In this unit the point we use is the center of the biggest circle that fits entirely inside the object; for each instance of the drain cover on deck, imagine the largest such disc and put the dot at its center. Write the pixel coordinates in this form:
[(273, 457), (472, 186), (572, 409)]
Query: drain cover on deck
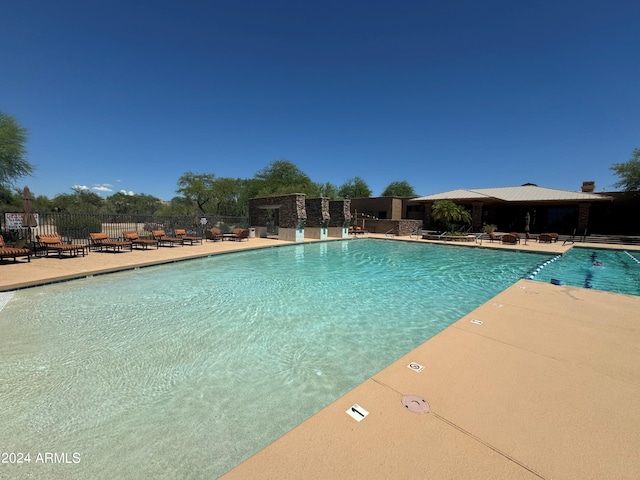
[(415, 404)]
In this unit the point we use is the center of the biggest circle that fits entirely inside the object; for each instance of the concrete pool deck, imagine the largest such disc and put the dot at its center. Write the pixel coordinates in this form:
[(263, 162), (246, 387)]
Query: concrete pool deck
[(541, 381)]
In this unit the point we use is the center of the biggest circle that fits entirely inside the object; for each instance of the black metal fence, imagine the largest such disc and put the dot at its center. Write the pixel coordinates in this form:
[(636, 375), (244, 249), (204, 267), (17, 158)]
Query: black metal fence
[(75, 227)]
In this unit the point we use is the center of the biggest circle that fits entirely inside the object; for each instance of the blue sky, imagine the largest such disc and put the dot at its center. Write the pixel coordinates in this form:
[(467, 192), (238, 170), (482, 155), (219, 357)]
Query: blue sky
[(129, 95)]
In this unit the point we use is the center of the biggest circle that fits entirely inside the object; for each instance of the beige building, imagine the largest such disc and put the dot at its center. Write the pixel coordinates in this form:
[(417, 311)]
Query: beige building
[(548, 209)]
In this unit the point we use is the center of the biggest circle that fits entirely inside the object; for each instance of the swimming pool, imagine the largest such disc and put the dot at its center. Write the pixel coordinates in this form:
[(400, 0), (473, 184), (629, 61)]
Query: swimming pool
[(185, 370), (601, 269)]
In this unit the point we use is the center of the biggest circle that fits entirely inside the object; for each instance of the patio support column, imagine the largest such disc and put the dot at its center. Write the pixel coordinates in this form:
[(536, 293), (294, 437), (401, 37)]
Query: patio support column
[(476, 216), (317, 218), (427, 215), (583, 217), (339, 218)]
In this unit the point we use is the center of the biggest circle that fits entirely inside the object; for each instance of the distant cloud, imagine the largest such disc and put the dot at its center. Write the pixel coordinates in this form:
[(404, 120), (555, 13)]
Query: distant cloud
[(105, 187), (101, 188)]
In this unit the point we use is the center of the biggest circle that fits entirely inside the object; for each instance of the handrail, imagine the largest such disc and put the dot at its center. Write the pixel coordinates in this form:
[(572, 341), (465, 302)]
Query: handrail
[(571, 240), (479, 237)]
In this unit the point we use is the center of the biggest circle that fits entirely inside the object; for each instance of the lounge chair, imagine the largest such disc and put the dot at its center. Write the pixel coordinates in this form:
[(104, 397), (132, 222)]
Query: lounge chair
[(182, 233), (163, 240), (545, 238), (509, 238), (138, 242), (54, 243), (238, 234), (493, 237), (357, 231), (214, 234), (13, 252), (100, 241)]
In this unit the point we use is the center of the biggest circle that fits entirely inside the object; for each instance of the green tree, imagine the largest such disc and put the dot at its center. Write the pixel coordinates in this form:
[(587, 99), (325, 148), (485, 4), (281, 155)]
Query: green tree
[(399, 189), (247, 188), (13, 164), (448, 212), (177, 206), (140, 204), (80, 201), (10, 200), (327, 190), (355, 187), (198, 188), (629, 173), (41, 203), (281, 177), (226, 195)]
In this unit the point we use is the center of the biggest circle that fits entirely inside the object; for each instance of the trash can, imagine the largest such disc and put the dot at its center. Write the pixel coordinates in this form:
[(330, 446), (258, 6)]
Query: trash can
[(252, 233)]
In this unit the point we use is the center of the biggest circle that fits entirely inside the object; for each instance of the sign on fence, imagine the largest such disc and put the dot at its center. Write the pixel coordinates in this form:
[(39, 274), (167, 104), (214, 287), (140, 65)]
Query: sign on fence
[(13, 221)]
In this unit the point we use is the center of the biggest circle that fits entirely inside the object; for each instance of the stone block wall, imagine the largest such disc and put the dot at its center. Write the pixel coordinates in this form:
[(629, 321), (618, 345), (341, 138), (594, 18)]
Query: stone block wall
[(400, 227), (340, 213), (317, 212), (292, 212)]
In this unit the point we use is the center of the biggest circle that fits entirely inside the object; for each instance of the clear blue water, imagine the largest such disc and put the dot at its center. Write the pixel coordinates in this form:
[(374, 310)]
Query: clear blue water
[(185, 370), (618, 272)]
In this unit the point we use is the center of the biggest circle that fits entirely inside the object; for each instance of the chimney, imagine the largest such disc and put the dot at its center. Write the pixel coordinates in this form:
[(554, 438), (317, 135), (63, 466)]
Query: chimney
[(588, 187)]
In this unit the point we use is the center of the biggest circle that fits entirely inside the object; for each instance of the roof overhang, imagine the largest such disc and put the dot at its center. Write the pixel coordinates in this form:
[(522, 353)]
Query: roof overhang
[(523, 194)]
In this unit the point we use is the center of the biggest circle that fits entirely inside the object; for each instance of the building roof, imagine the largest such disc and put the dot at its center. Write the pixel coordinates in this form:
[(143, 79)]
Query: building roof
[(524, 193)]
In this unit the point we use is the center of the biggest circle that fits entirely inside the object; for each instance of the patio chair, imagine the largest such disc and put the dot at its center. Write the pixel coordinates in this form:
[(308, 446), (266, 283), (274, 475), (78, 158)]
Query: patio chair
[(138, 242), (509, 238), (13, 252), (214, 234), (238, 234), (100, 241), (182, 233), (54, 243), (163, 240), (357, 230), (545, 238), (493, 237)]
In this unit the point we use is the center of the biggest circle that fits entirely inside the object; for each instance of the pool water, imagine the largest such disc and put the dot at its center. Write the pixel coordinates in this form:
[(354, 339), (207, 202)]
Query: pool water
[(601, 269), (184, 370)]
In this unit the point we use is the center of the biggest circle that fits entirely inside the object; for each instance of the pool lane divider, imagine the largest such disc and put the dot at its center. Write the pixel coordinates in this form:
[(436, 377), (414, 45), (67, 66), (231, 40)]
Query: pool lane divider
[(541, 266), (634, 258)]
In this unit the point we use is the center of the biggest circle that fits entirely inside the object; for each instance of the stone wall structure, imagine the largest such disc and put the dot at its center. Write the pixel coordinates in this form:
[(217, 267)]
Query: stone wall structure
[(292, 215), (340, 218), (317, 218), (403, 227)]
